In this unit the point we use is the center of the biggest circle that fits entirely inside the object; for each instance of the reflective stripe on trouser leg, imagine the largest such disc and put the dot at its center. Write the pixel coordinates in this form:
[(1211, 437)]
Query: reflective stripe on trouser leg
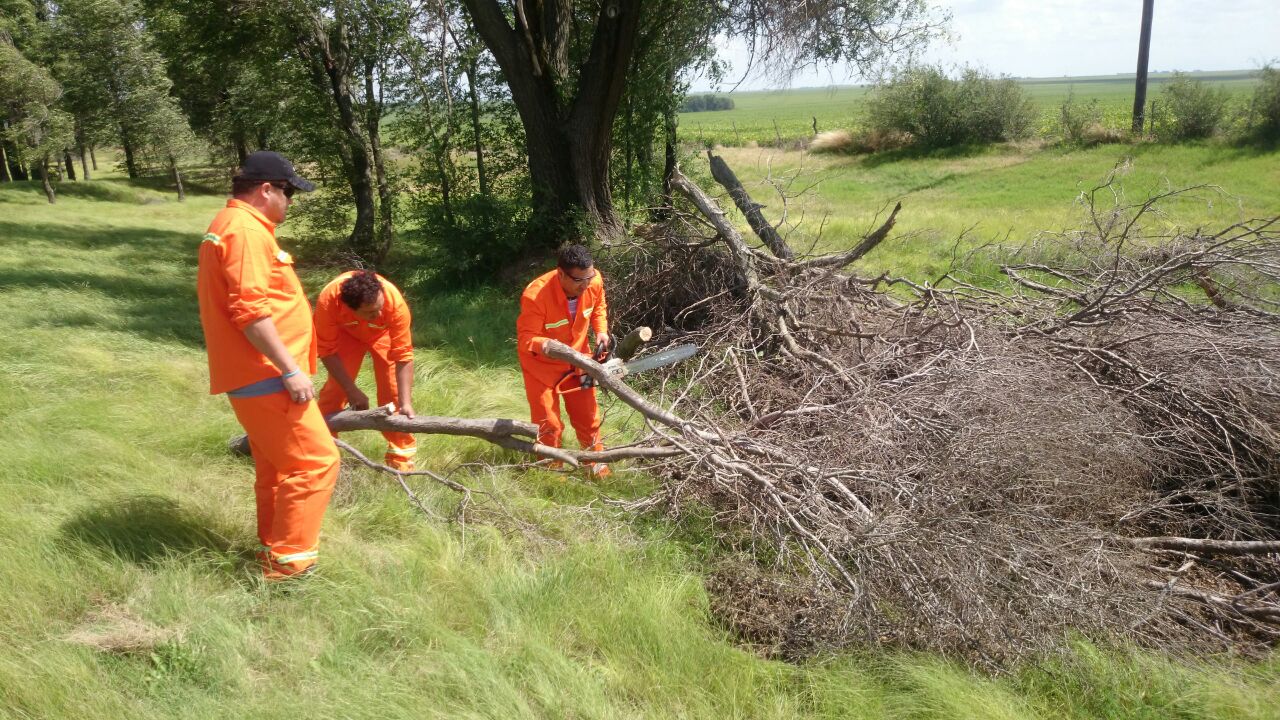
[(297, 464), (584, 415), (544, 410)]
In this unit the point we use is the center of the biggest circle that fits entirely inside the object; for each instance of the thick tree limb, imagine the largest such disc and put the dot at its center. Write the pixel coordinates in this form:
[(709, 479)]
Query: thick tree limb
[(724, 175)]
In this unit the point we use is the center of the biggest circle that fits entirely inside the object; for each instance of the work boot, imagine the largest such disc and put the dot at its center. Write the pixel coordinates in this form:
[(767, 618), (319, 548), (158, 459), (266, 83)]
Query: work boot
[(400, 464), (599, 471), (273, 571), (555, 465)]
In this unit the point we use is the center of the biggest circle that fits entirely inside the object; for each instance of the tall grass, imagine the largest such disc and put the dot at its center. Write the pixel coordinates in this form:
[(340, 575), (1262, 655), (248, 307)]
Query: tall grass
[(126, 539)]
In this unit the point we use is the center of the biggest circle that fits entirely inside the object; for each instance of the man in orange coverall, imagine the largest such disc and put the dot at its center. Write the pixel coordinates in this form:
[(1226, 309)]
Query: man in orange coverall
[(562, 305), (257, 327), (361, 312)]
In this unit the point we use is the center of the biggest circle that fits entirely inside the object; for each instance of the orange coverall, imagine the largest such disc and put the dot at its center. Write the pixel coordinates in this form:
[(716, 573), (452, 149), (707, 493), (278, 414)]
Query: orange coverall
[(544, 315), (388, 339), (245, 276)]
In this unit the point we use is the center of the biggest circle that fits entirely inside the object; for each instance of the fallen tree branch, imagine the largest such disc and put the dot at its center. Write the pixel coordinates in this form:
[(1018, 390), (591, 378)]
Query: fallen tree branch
[(1211, 547), (724, 175)]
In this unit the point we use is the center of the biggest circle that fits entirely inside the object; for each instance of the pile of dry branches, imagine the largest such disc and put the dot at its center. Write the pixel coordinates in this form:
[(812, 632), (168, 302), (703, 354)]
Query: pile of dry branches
[(1089, 449)]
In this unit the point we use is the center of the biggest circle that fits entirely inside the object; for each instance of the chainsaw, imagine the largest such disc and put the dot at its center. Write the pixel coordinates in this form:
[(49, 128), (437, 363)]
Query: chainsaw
[(618, 368)]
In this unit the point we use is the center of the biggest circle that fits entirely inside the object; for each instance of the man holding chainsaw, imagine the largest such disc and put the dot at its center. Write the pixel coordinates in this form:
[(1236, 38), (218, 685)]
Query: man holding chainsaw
[(563, 305)]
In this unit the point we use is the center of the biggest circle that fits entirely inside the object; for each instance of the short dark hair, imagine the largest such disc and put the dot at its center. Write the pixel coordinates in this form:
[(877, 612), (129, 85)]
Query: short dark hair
[(574, 256), (360, 289), (241, 185)]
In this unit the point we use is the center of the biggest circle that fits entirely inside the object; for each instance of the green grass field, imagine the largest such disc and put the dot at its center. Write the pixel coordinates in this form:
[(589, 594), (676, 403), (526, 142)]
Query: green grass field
[(1006, 194), (126, 539), (777, 117)]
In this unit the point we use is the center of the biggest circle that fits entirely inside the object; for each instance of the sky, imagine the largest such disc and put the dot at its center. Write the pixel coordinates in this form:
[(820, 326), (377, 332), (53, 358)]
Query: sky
[(1052, 38)]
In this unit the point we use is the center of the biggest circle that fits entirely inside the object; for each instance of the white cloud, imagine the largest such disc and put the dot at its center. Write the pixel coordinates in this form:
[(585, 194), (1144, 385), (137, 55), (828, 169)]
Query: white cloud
[(1047, 38)]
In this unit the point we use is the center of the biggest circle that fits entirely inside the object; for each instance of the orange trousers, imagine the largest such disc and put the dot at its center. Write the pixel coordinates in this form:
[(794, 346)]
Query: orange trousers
[(401, 447), (296, 464), (544, 411)]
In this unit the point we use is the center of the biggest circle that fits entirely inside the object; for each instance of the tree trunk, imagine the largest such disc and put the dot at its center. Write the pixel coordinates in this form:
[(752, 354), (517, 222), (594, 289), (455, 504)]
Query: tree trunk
[(44, 180), (71, 166), (130, 164), (84, 158), (16, 171), (669, 123), (93, 158), (481, 178), (373, 114), (330, 64), (242, 149), (568, 129), (4, 165), (1140, 82), (262, 139), (177, 178)]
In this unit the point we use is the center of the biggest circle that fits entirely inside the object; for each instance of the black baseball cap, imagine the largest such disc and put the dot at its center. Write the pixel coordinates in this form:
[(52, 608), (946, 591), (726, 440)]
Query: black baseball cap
[(267, 166)]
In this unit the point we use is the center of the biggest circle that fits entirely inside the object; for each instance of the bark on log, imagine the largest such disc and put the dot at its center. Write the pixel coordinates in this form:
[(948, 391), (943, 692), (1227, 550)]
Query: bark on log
[(502, 432), (724, 175), (630, 344)]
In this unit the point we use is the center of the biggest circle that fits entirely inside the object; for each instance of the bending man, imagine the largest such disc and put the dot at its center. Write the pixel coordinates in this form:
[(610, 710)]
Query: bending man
[(562, 305), (361, 313), (257, 327)]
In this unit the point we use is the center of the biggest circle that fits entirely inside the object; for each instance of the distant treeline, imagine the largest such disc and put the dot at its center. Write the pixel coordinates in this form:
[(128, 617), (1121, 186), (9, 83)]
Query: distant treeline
[(703, 103)]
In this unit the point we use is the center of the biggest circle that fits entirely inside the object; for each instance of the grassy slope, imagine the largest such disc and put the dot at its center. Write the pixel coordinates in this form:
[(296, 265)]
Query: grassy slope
[(1005, 193), (127, 525)]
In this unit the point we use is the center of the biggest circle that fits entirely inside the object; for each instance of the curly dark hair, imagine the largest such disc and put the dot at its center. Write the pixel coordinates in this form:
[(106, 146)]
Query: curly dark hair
[(574, 256), (360, 289)]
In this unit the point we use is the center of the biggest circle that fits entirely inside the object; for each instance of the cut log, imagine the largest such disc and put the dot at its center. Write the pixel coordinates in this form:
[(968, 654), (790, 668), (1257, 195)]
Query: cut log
[(630, 344)]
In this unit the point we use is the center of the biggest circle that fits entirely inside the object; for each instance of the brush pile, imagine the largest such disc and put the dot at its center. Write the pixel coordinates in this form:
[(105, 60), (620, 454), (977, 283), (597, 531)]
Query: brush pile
[(1089, 446)]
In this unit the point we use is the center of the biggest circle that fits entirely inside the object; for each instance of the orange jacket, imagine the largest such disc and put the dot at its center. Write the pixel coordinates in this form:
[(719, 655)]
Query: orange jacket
[(544, 315), (244, 276), (388, 337)]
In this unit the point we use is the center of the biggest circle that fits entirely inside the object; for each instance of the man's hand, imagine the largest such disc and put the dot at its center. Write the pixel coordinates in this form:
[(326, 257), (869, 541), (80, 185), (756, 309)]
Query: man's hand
[(357, 400), (300, 388), (604, 343), (406, 410)]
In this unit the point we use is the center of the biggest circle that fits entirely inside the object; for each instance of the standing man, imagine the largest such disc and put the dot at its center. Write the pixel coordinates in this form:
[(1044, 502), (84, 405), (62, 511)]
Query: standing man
[(361, 313), (257, 327), (562, 305)]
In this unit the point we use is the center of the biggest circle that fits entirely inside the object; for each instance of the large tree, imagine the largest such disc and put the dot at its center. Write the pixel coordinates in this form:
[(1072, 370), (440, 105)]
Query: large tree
[(568, 64), (116, 80), (34, 128)]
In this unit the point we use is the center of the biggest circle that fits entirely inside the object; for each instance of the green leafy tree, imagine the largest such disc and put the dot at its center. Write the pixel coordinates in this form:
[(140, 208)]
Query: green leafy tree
[(116, 79), (568, 64), (34, 127)]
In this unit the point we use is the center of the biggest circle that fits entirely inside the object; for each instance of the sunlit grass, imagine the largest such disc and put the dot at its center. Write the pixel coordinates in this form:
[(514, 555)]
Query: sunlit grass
[(126, 540)]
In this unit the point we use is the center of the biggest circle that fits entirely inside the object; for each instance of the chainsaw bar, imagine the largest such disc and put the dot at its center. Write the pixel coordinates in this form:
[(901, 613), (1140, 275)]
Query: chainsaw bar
[(662, 359)]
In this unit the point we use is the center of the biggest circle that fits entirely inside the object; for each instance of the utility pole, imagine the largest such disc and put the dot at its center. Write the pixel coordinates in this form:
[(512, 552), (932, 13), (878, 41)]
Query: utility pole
[(1144, 51)]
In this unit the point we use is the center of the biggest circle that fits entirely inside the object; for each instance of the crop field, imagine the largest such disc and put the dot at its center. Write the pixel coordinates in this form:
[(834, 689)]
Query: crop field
[(785, 117)]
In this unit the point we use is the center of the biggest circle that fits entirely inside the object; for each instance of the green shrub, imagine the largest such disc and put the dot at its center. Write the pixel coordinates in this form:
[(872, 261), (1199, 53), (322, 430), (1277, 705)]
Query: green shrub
[(482, 234), (1189, 109), (1264, 109), (1076, 118), (941, 112), (706, 103)]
